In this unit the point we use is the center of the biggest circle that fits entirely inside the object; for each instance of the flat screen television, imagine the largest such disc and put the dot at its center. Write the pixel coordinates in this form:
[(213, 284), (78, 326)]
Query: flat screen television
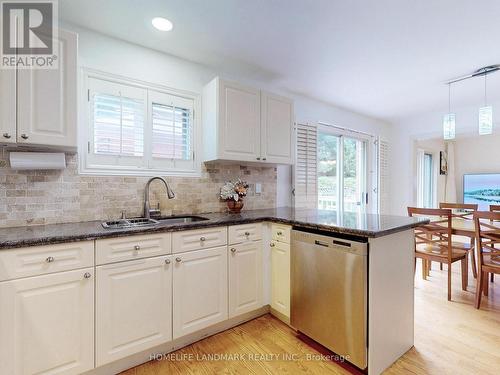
[(483, 189)]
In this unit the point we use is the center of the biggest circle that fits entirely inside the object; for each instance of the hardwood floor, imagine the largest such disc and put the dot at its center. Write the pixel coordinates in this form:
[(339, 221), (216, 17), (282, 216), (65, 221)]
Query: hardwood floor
[(450, 338)]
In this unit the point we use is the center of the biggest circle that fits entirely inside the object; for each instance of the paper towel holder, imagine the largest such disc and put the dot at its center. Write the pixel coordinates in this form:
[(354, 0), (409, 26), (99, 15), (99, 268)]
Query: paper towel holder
[(37, 160)]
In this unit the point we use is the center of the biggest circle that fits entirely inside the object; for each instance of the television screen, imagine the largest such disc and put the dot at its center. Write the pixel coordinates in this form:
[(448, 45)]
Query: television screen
[(483, 189)]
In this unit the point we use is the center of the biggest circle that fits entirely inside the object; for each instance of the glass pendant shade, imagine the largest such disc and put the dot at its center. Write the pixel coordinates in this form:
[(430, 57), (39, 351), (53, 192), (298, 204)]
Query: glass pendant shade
[(449, 126), (485, 120)]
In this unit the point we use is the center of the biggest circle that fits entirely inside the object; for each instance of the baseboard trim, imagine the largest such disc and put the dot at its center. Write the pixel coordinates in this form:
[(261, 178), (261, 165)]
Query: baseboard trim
[(285, 319), (163, 349)]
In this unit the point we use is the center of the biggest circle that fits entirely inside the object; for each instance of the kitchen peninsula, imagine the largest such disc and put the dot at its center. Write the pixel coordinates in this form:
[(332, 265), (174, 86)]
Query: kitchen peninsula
[(185, 281)]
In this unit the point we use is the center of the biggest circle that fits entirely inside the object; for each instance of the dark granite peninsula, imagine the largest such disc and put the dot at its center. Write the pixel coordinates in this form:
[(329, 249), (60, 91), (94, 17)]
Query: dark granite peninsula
[(348, 223)]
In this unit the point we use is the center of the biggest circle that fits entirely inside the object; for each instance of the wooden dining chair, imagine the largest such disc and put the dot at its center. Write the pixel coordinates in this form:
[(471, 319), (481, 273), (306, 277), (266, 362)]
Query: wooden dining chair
[(433, 242), (463, 211), (488, 249)]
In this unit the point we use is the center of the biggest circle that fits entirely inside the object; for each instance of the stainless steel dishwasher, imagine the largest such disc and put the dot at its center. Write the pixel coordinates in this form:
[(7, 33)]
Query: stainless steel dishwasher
[(329, 293)]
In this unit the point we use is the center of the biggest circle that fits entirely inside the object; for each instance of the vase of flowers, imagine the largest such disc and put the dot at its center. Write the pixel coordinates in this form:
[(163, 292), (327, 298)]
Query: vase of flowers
[(233, 193)]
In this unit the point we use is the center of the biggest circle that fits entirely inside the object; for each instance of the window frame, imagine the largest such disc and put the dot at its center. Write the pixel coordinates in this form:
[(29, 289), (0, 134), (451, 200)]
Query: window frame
[(92, 164)]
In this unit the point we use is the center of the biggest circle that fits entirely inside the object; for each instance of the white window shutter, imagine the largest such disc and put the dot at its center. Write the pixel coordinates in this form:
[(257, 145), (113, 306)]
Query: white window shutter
[(383, 175), (306, 166)]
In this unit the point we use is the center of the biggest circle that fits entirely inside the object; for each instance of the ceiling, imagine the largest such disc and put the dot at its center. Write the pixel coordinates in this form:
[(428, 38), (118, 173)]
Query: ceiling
[(383, 58)]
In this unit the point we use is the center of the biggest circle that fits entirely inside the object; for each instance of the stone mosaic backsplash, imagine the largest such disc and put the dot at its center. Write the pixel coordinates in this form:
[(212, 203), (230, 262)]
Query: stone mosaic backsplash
[(47, 197)]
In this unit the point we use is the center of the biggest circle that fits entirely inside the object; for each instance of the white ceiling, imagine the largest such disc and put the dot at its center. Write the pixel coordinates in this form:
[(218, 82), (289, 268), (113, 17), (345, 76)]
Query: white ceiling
[(383, 58)]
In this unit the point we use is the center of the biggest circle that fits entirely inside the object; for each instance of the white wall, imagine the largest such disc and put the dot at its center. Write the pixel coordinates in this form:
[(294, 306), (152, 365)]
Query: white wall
[(108, 54), (476, 155)]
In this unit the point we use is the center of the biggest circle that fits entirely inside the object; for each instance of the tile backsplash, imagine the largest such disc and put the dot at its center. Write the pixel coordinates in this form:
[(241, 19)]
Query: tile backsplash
[(37, 197)]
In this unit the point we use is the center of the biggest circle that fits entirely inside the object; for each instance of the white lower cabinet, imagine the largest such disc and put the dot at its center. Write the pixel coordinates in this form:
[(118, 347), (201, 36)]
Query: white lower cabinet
[(280, 277), (133, 307), (200, 290), (245, 277), (47, 324)]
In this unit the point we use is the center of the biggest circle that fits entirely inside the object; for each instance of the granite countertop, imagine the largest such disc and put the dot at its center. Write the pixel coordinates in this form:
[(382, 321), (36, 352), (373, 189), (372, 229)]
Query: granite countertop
[(347, 223)]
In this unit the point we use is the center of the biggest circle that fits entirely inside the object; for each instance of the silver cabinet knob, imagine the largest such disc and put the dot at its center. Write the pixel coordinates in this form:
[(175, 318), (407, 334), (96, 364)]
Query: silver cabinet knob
[(87, 275), (6, 135), (233, 250), (264, 158), (137, 248), (247, 234), (24, 136), (178, 260), (272, 244), (49, 259), (258, 158), (167, 261), (279, 233), (202, 239)]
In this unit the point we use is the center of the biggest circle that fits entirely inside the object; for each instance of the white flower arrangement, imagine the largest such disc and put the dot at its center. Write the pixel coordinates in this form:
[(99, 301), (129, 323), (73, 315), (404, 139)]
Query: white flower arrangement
[(233, 190)]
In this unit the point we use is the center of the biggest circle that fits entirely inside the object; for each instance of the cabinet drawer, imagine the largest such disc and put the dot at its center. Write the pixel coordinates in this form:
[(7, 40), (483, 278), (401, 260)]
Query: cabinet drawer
[(112, 250), (281, 233), (244, 232), (198, 239), (39, 260)]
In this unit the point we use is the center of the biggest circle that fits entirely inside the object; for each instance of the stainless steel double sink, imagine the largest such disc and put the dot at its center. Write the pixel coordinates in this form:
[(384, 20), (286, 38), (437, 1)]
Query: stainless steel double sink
[(144, 222)]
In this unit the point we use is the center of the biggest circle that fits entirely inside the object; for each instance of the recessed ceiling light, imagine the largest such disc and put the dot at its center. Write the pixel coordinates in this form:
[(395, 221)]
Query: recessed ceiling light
[(162, 24)]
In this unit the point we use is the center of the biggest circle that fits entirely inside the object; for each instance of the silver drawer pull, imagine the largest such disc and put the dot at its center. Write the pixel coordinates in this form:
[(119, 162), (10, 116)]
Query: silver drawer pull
[(137, 248), (178, 260), (49, 259), (247, 234), (233, 250), (202, 239), (272, 244), (24, 136), (87, 275), (6, 135), (167, 261)]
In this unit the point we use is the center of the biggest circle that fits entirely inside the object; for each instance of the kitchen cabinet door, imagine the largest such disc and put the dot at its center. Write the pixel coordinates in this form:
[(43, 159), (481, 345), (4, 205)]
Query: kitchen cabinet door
[(47, 324), (245, 277), (7, 106), (200, 290), (280, 277), (47, 99), (239, 122), (133, 307), (277, 125)]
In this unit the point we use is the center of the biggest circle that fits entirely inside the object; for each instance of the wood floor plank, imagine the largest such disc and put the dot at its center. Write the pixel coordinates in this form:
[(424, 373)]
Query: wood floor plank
[(450, 338)]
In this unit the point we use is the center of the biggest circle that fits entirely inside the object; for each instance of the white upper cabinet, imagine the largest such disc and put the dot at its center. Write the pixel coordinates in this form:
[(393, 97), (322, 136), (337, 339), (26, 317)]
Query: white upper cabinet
[(47, 324), (277, 119), (244, 124), (7, 106), (47, 100)]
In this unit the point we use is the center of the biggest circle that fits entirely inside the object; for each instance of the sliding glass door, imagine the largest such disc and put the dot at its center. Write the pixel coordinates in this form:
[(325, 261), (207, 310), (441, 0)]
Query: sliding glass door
[(342, 172)]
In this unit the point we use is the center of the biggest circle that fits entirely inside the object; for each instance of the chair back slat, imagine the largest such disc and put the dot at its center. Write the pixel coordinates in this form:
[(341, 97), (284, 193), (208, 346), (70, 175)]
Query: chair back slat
[(495, 207), (488, 235), (460, 210)]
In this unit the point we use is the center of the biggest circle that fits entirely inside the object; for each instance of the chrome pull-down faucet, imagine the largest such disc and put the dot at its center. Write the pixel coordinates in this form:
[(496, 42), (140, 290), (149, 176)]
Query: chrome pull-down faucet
[(147, 208)]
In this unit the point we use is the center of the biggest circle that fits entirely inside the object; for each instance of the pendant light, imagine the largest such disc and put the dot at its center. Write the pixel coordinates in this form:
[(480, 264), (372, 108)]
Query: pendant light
[(449, 120), (485, 115)]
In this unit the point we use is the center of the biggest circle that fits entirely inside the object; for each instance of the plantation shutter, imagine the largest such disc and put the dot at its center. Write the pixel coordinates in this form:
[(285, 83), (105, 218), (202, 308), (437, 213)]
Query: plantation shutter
[(383, 176), (306, 166), (118, 125), (172, 130)]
